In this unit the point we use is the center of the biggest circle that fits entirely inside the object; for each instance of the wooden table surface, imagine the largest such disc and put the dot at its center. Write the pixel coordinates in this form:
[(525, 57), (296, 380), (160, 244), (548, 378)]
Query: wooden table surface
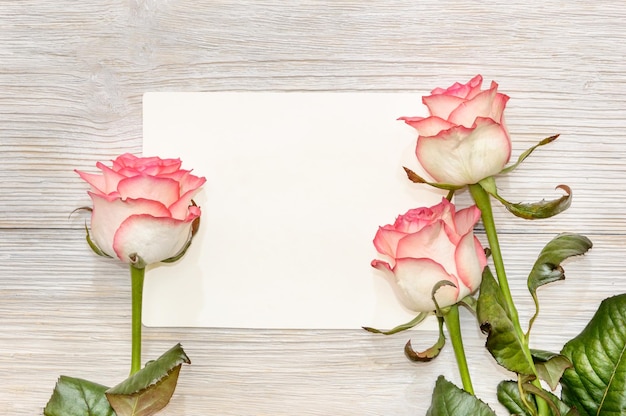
[(72, 75)]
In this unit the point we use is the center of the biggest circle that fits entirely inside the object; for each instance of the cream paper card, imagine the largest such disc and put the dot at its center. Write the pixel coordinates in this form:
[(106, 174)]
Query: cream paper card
[(297, 185)]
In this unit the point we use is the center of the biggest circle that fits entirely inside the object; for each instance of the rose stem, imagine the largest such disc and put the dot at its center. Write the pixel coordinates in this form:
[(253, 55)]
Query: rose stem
[(481, 197), (136, 276), (453, 325)]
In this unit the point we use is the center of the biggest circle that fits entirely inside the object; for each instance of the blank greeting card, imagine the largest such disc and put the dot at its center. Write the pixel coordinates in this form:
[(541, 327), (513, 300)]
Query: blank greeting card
[(297, 185)]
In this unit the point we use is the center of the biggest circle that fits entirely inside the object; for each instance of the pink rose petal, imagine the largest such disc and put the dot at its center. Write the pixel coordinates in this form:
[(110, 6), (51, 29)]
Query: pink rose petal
[(164, 190), (107, 216), (470, 260), (152, 239), (431, 242), (462, 156), (429, 126), (416, 279)]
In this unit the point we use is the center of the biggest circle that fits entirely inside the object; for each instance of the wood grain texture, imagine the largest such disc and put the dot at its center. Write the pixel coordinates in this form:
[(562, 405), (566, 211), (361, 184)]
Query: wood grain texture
[(72, 75)]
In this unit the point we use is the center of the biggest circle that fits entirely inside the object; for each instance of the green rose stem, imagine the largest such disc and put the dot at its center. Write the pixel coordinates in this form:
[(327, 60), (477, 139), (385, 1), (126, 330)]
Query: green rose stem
[(453, 324), (483, 202), (136, 276)]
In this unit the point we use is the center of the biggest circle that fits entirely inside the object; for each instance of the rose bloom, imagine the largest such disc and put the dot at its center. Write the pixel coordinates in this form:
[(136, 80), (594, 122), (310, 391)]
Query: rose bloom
[(428, 245), (464, 140), (142, 207)]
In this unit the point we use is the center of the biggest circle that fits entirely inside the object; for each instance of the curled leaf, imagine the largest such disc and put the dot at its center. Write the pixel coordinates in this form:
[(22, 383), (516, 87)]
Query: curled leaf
[(195, 226), (542, 209), (93, 245), (547, 268)]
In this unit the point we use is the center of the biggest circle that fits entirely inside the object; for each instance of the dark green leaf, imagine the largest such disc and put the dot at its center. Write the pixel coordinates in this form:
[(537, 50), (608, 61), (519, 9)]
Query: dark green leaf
[(418, 319), (502, 339), (150, 389), (596, 384), (431, 352), (527, 153), (415, 178), (449, 400), (552, 401), (509, 396), (550, 366), (542, 209), (77, 397), (547, 268)]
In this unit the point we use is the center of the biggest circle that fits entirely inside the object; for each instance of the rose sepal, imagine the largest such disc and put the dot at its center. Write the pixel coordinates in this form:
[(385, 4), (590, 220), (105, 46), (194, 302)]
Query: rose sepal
[(415, 178), (194, 229), (469, 302), (531, 211), (93, 246), (527, 153), (429, 353), (435, 349), (403, 327)]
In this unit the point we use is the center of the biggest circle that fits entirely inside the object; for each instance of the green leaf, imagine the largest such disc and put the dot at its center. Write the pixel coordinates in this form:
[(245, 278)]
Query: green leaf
[(77, 397), (418, 319), (539, 210), (502, 339), (150, 389), (596, 384), (547, 268), (557, 407), (449, 400), (431, 352), (527, 153), (415, 178), (509, 396), (550, 366)]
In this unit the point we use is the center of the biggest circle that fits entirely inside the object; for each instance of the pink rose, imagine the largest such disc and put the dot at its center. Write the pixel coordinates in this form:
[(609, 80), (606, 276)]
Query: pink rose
[(428, 245), (464, 140), (142, 208)]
